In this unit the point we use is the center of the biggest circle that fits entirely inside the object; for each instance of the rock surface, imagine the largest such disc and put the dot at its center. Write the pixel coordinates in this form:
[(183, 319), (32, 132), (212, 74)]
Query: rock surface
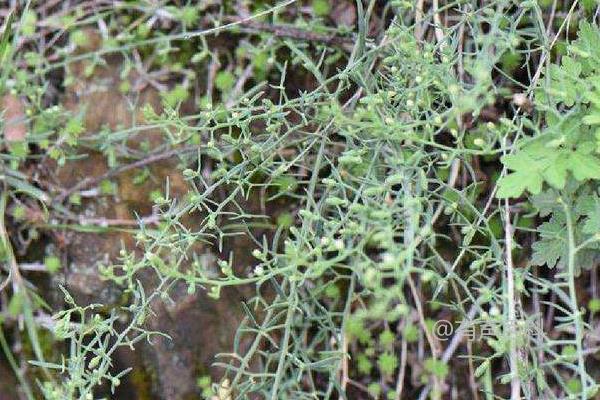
[(199, 326)]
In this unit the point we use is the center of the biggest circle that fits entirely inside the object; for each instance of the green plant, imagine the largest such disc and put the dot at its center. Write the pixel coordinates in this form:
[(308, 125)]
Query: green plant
[(437, 163)]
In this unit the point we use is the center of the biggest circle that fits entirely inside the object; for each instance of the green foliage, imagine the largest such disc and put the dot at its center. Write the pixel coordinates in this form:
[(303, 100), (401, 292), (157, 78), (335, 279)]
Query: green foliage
[(29, 21), (5, 44), (411, 333), (175, 96), (386, 338), (224, 81), (548, 161), (594, 305), (52, 263), (387, 363), (568, 144), (188, 15), (362, 177), (320, 7), (79, 38), (436, 368)]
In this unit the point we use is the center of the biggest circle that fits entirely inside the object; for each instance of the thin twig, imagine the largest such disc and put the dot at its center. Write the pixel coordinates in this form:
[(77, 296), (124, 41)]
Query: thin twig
[(239, 86), (14, 274), (515, 382), (347, 309), (419, 31), (457, 338), (213, 68), (437, 20), (544, 56), (576, 312), (430, 338), (402, 371), (292, 32)]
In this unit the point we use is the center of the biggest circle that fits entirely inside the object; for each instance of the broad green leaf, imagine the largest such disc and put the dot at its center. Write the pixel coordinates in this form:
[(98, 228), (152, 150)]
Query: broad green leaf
[(545, 202), (591, 210), (584, 166), (552, 245), (556, 173), (513, 185)]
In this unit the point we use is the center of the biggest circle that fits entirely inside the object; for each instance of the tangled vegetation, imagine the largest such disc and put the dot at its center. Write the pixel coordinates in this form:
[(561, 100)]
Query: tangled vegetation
[(358, 199)]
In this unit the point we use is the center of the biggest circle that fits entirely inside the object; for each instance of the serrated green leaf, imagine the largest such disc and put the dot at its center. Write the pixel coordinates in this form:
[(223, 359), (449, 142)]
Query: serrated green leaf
[(556, 173), (584, 166), (552, 245), (571, 67), (547, 252), (513, 185), (545, 202)]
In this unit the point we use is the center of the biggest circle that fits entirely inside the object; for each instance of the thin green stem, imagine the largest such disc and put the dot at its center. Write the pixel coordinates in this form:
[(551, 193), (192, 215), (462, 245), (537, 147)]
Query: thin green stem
[(576, 313)]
